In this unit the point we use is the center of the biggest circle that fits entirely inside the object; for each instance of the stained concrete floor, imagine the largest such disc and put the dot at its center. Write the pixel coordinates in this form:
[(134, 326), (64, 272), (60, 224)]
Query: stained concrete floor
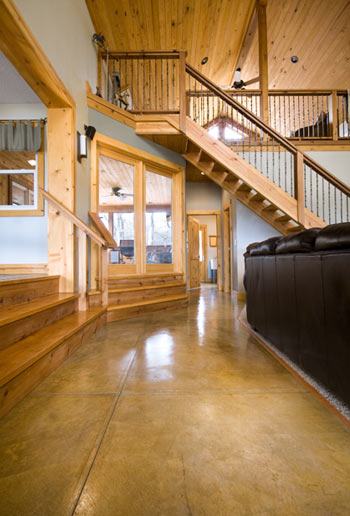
[(176, 413)]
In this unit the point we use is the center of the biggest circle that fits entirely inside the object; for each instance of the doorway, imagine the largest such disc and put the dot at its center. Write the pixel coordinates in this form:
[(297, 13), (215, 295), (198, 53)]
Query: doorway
[(194, 252), (227, 245)]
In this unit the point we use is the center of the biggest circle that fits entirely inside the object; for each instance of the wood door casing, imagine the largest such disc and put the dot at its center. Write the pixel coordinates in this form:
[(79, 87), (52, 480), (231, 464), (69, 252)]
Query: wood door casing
[(193, 228), (204, 262)]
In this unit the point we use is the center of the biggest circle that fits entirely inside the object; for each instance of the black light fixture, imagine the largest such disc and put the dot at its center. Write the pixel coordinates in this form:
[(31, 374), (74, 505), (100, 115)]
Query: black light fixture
[(294, 59), (81, 146), (90, 131), (99, 39), (204, 60)]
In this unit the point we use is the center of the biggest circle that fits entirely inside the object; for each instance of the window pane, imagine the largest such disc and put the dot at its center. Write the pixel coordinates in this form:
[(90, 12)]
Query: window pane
[(117, 206), (159, 235), (17, 178)]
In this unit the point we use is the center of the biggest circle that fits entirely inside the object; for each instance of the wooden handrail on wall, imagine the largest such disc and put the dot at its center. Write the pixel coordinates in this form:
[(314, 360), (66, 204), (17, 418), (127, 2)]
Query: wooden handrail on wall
[(85, 231), (111, 243)]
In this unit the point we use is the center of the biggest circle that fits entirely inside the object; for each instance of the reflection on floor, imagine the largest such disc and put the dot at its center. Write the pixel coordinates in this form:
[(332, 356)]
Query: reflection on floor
[(175, 413)]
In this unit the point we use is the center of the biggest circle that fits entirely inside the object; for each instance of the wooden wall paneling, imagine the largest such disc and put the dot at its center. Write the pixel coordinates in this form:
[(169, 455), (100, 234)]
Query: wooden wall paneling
[(61, 183), (227, 236), (219, 253), (179, 236), (263, 60)]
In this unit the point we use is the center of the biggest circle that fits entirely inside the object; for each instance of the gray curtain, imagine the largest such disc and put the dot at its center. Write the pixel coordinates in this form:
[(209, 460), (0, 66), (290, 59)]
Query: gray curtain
[(22, 136)]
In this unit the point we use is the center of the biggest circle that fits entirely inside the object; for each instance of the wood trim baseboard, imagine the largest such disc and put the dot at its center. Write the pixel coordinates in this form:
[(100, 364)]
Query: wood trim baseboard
[(24, 268)]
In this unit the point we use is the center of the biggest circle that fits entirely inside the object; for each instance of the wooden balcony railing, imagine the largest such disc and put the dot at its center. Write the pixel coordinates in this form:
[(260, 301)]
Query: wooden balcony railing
[(162, 82)]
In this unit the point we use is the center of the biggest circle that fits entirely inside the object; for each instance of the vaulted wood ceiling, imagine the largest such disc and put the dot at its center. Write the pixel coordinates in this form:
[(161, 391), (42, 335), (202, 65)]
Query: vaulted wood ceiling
[(317, 31)]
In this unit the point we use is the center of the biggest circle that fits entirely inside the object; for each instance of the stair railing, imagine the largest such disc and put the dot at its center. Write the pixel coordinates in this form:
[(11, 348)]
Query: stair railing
[(86, 235), (266, 150)]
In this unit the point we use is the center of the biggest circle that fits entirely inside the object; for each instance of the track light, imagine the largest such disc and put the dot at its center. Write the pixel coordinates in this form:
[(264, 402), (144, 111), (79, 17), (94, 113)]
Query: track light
[(99, 39)]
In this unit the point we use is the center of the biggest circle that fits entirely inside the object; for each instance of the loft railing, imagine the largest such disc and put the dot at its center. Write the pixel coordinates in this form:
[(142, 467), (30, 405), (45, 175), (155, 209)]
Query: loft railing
[(86, 235), (162, 82), (268, 151)]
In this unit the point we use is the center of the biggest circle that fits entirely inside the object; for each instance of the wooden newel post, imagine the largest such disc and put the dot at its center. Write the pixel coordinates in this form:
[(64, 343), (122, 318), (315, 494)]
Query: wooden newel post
[(104, 275), (263, 60), (333, 115), (82, 269), (182, 90), (299, 186)]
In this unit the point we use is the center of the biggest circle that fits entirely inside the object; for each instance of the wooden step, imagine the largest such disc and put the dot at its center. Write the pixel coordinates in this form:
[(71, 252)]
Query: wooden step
[(243, 188), (270, 207), (283, 218), (26, 363), (257, 198), (117, 312), (94, 298), (19, 321), (22, 290), (295, 229), (144, 279), (128, 295)]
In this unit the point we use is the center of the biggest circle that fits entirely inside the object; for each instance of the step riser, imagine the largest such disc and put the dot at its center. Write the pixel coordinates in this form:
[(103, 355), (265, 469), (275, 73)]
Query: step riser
[(13, 332), (129, 313), (17, 388), (23, 292), (141, 282), (144, 295), (94, 300)]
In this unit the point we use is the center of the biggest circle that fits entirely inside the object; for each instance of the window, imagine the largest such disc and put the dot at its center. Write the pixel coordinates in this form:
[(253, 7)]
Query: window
[(117, 208), (21, 172), (159, 236)]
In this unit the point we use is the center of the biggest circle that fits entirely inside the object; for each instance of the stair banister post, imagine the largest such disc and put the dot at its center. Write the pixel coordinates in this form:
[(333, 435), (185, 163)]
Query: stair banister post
[(333, 115), (182, 90), (263, 60), (299, 186), (82, 269), (104, 275)]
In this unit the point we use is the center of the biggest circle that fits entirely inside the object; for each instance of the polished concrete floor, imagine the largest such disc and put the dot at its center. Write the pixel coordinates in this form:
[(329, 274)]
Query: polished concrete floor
[(176, 413)]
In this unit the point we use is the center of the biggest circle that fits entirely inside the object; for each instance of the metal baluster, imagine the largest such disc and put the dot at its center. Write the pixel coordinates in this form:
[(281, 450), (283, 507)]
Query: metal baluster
[(313, 116), (305, 181), (273, 161), (322, 120), (323, 201), (167, 83), (341, 205), (284, 116), (317, 113), (329, 203), (294, 119), (155, 86), (317, 192), (291, 175), (174, 105), (299, 113), (279, 165), (335, 205), (255, 130), (144, 82)]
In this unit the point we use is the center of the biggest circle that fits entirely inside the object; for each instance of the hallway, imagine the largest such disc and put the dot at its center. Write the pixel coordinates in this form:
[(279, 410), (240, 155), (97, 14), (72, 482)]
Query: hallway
[(175, 413)]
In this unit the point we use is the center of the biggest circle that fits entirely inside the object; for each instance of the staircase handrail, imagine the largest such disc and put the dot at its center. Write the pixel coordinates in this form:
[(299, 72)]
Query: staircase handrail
[(73, 218), (266, 128)]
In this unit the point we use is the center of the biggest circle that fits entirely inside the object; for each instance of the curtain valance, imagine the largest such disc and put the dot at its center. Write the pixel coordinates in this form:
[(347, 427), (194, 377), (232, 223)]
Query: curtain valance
[(20, 135)]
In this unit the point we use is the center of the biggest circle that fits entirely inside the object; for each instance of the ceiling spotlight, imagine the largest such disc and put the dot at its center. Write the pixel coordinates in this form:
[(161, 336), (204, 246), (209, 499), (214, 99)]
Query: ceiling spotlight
[(32, 162), (204, 60), (294, 59), (202, 173), (99, 39)]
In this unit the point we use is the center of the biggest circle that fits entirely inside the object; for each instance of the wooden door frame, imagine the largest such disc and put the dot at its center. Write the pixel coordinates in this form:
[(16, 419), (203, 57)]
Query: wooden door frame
[(227, 243), (102, 144), (21, 48), (204, 229), (189, 256), (217, 214)]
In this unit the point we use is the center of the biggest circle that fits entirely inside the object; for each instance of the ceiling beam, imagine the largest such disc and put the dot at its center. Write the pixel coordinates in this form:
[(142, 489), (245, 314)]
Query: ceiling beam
[(21, 48), (247, 40)]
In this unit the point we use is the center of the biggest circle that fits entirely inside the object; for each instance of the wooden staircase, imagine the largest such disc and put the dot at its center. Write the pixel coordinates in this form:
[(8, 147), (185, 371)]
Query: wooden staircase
[(39, 329), (131, 296)]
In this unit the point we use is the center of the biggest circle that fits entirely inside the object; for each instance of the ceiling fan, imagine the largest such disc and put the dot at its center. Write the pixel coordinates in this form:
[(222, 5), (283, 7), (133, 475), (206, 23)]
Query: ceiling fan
[(117, 191)]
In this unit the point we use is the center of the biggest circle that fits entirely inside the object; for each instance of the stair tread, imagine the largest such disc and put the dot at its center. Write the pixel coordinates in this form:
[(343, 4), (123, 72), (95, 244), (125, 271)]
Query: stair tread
[(12, 313), (147, 287), (22, 354), (28, 279), (153, 301)]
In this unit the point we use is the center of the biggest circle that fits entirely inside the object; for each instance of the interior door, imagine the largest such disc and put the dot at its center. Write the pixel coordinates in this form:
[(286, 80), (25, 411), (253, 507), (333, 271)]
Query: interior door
[(194, 275), (204, 261)]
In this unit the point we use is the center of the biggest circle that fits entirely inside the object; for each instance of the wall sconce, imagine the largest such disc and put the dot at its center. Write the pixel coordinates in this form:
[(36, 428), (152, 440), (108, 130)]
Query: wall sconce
[(81, 146)]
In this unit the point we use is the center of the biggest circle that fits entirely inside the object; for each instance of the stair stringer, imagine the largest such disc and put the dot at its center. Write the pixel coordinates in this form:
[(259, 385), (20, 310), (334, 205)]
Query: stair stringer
[(239, 171)]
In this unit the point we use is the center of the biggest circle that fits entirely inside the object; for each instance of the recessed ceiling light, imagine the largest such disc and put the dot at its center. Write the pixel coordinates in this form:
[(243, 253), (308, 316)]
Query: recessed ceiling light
[(202, 173), (204, 60), (32, 162), (294, 59)]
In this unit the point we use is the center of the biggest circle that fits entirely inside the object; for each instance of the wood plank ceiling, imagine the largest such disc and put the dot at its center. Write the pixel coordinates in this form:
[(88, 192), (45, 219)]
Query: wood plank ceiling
[(317, 31), (205, 28)]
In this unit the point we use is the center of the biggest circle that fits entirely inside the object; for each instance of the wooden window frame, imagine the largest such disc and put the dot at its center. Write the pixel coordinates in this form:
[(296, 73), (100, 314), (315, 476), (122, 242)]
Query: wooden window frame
[(39, 210)]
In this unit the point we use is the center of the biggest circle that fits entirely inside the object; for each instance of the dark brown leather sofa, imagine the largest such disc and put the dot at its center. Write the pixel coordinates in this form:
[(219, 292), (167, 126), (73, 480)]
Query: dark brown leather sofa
[(298, 297)]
